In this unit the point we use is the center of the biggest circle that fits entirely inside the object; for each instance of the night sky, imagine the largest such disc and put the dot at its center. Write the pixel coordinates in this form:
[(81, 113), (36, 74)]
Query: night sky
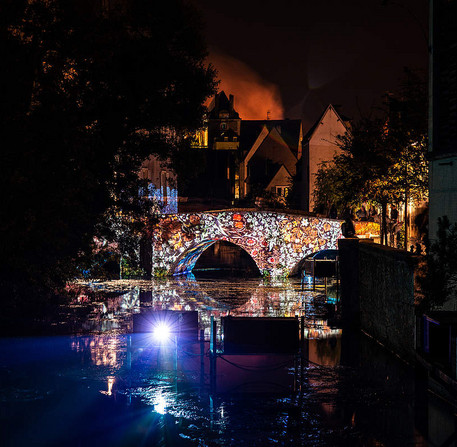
[(295, 57)]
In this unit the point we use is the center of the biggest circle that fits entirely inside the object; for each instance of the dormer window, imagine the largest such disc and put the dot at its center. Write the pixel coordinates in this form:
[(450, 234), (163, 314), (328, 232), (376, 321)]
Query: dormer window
[(223, 115)]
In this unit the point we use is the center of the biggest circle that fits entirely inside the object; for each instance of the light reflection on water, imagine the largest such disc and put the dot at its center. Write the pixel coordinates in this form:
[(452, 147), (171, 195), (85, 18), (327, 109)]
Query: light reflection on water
[(112, 387), (247, 297)]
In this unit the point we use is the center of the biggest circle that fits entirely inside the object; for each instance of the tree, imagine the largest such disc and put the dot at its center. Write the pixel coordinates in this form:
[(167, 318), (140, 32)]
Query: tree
[(360, 172), (383, 157), (407, 132), (88, 92)]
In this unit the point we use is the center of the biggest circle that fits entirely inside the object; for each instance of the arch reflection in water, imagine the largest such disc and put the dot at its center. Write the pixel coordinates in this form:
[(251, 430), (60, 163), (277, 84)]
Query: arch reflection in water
[(218, 298)]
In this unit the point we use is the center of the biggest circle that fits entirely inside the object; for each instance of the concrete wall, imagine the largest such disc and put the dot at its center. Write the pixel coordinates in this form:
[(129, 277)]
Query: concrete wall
[(378, 291)]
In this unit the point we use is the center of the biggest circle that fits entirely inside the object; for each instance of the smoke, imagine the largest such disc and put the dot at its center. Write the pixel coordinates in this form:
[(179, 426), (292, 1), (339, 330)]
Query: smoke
[(254, 97)]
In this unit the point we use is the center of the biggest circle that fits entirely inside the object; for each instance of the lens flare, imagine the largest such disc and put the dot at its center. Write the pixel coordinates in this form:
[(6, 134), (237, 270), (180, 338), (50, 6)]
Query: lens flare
[(162, 332)]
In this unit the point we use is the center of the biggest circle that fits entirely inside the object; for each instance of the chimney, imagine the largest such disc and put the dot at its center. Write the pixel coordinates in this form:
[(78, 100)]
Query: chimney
[(232, 100)]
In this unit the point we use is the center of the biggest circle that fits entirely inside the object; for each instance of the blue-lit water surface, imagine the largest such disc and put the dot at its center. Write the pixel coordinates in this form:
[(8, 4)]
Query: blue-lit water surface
[(107, 386)]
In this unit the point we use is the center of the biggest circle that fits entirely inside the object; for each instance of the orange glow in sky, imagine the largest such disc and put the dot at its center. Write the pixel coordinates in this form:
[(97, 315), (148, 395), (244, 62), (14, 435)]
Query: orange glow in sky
[(254, 97)]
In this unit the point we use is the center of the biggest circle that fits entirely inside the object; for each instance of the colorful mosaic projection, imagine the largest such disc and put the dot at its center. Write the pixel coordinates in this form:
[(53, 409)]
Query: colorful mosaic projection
[(277, 242)]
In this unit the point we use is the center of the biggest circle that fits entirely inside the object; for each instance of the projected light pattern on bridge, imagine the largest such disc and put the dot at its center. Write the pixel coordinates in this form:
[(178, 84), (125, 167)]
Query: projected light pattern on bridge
[(187, 263), (277, 242)]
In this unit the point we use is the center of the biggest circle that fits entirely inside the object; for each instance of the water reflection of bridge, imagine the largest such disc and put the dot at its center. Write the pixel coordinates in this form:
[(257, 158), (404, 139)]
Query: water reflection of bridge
[(277, 242), (252, 297)]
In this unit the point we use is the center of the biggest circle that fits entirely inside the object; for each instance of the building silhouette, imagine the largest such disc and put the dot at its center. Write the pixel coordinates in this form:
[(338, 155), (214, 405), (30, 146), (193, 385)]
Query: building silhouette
[(251, 162), (443, 113)]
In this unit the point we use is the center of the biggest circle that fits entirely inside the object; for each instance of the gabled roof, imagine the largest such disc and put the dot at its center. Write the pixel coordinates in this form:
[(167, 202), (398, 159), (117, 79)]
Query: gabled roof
[(255, 145), (290, 131), (281, 169), (282, 158), (264, 136), (344, 120), (219, 103)]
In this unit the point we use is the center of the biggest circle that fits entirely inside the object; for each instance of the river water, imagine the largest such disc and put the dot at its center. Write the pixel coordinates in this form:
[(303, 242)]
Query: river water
[(101, 384)]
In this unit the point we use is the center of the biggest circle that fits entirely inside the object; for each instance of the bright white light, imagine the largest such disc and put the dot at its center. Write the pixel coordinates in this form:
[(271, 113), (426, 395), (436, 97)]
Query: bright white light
[(159, 405), (162, 332), (110, 385)]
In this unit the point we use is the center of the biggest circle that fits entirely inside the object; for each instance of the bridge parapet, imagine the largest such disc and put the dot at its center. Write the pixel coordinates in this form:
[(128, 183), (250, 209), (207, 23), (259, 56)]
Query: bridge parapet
[(277, 242)]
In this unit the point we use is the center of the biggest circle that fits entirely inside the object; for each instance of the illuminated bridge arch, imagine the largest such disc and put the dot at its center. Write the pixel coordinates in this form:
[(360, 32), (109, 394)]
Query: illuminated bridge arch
[(276, 242), (186, 262)]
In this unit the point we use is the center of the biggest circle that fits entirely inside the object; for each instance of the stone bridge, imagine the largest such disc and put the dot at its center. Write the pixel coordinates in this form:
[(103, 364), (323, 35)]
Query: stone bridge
[(276, 241)]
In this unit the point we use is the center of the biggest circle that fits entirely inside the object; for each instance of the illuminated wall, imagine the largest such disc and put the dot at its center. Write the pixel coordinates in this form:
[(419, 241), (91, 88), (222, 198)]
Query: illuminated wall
[(200, 139), (321, 146), (276, 242), (165, 197), (162, 181)]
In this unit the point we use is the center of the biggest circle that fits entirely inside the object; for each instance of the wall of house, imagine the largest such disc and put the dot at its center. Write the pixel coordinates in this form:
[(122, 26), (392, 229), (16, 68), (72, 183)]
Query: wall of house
[(377, 285), (243, 169), (226, 145), (281, 180), (322, 147), (162, 188), (303, 178), (217, 126), (443, 113), (443, 192), (280, 185), (275, 149)]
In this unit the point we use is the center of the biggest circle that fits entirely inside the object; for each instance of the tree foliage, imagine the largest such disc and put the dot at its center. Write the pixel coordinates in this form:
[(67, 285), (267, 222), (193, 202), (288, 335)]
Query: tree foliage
[(383, 158), (87, 93), (360, 170)]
